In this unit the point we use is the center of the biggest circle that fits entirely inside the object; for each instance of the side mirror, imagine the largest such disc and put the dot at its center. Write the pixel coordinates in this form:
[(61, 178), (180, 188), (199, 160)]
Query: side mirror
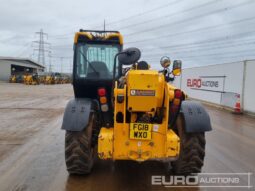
[(165, 62), (177, 67), (129, 56)]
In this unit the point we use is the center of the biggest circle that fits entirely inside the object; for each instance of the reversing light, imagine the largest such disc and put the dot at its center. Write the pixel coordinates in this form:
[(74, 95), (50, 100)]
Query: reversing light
[(104, 107), (101, 92)]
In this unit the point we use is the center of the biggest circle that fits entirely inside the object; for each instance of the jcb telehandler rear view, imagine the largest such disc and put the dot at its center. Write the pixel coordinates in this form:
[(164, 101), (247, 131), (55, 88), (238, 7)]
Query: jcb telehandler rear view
[(123, 110)]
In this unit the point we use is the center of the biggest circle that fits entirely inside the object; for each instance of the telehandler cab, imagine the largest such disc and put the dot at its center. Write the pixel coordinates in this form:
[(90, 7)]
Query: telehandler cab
[(123, 110)]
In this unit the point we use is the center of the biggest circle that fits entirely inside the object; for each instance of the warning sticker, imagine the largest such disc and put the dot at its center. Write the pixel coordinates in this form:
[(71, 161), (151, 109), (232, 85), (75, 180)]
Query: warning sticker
[(142, 92)]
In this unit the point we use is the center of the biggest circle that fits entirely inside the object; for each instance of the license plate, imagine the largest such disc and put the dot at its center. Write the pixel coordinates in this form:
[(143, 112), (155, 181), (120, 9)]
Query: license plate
[(141, 131)]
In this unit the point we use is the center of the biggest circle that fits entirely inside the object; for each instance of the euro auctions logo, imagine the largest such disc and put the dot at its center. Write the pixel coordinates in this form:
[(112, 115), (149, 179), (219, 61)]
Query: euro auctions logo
[(207, 83), (198, 83), (205, 180)]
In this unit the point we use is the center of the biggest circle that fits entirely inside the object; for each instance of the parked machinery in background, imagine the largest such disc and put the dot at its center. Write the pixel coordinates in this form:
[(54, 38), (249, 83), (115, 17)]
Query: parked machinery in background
[(31, 79), (40, 78), (13, 79), (57, 78)]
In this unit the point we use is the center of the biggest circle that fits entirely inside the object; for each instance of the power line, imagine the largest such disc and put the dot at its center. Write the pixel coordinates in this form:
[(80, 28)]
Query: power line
[(218, 60), (146, 12), (50, 63), (128, 18), (199, 51), (176, 34), (192, 31), (179, 33), (63, 35), (21, 51), (232, 37), (213, 45), (41, 47), (191, 19), (14, 38), (170, 15), (211, 42), (196, 30), (209, 55), (63, 45), (188, 45)]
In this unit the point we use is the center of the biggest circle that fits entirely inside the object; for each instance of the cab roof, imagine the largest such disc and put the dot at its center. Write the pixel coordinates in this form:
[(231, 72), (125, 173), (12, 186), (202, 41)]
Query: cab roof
[(92, 36)]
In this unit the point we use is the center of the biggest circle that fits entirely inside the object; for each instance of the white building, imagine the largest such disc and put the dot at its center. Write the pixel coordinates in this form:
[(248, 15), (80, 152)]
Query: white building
[(222, 84), (19, 66)]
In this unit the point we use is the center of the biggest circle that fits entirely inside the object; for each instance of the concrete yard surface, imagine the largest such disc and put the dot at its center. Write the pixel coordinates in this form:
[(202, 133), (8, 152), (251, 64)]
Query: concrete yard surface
[(32, 147)]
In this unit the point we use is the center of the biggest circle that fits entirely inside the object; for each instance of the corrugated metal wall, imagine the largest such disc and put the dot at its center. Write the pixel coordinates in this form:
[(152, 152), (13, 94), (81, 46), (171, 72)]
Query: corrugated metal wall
[(249, 87), (221, 84), (5, 70), (5, 67)]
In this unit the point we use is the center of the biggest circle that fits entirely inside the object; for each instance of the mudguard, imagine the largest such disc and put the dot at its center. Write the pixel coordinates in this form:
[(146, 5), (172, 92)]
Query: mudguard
[(76, 116), (195, 116)]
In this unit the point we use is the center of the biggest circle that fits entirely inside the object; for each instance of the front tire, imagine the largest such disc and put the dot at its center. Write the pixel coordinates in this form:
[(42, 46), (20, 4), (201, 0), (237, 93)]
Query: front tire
[(79, 151), (192, 151)]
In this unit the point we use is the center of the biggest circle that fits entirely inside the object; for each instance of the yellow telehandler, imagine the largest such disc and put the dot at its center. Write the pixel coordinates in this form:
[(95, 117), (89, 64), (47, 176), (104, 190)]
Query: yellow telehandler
[(124, 110), (13, 79), (31, 79)]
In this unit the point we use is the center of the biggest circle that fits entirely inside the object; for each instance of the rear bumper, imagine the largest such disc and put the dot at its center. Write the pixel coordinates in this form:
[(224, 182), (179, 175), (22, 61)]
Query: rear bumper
[(114, 143)]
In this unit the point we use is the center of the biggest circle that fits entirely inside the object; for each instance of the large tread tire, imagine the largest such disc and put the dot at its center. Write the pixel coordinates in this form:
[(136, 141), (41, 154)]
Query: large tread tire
[(78, 150), (192, 151)]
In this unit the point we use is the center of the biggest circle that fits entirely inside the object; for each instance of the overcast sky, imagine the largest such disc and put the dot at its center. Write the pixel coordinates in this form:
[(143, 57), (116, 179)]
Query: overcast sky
[(198, 32)]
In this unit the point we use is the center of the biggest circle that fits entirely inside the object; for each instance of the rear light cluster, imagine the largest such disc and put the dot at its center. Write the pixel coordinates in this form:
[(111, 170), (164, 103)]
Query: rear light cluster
[(178, 97), (101, 92), (103, 99), (178, 94)]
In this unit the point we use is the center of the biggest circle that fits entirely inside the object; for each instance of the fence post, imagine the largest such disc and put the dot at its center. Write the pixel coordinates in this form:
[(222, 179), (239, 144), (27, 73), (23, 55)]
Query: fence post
[(243, 84)]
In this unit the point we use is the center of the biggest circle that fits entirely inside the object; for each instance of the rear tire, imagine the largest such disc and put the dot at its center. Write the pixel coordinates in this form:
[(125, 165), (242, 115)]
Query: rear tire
[(79, 151), (192, 151)]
